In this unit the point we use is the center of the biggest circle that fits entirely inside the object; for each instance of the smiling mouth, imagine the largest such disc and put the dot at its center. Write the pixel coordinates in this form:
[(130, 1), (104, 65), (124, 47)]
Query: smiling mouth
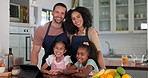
[(79, 60), (77, 23)]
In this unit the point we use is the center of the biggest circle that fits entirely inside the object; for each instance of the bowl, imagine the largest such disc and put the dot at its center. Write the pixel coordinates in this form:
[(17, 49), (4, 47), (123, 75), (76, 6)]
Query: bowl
[(2, 69), (138, 61), (15, 71)]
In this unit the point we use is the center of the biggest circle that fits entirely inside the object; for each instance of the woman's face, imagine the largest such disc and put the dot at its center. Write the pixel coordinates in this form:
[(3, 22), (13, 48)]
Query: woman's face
[(82, 55), (59, 49), (77, 19)]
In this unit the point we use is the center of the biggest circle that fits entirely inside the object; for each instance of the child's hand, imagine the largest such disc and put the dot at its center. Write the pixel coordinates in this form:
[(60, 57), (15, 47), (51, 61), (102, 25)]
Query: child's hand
[(55, 71), (52, 72), (80, 69)]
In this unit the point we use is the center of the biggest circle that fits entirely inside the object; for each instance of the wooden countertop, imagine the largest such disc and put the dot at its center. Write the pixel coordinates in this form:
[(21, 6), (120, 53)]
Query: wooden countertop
[(47, 76), (127, 65)]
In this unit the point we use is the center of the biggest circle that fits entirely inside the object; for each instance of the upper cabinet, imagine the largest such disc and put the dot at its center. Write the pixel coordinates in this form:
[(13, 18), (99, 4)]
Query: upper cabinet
[(23, 13), (104, 15), (90, 5), (139, 15), (122, 12), (118, 16)]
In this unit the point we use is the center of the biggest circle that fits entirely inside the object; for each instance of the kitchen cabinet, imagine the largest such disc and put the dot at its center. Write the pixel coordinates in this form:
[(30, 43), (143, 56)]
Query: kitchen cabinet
[(118, 16), (140, 15), (31, 13), (138, 73), (122, 15), (104, 15), (90, 5), (20, 39)]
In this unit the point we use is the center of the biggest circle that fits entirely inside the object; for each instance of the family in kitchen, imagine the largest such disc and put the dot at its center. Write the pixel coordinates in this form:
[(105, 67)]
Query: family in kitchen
[(71, 46)]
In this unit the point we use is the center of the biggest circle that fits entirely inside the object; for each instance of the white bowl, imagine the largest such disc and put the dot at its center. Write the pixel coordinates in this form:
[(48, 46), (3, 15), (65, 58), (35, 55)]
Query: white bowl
[(2, 69), (138, 61), (15, 71)]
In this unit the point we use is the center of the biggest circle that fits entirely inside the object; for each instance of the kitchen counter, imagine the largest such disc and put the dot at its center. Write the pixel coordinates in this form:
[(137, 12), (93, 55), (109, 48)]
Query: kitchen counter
[(126, 65), (47, 76)]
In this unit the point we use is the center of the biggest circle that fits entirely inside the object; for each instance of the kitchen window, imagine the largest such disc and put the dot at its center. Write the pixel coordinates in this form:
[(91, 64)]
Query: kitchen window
[(46, 16)]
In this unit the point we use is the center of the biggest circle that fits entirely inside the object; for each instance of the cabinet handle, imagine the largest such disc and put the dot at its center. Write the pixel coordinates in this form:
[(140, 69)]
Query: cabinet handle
[(28, 37)]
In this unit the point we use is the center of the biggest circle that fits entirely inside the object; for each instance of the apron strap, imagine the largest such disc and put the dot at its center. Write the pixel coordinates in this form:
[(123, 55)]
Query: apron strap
[(48, 28)]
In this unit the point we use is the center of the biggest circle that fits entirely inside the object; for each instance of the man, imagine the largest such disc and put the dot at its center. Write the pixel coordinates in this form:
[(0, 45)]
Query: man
[(50, 32)]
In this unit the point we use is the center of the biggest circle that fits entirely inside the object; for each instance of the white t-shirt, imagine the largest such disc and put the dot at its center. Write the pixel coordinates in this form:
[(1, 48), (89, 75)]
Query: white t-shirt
[(51, 61)]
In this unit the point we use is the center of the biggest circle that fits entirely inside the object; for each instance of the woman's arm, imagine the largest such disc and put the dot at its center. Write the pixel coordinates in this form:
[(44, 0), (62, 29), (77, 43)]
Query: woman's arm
[(93, 36), (101, 60)]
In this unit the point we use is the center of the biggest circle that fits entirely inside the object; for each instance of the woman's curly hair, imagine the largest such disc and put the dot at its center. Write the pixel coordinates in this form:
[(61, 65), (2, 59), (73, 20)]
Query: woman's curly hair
[(86, 15)]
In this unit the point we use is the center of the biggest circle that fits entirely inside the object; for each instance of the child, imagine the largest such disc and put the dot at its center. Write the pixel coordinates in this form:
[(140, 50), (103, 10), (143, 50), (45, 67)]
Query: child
[(57, 61), (86, 60)]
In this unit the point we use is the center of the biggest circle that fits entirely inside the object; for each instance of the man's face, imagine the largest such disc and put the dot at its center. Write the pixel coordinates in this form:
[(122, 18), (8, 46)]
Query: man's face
[(59, 14)]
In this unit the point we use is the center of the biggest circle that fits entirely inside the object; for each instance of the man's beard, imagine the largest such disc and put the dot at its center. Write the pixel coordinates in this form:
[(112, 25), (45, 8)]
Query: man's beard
[(57, 21)]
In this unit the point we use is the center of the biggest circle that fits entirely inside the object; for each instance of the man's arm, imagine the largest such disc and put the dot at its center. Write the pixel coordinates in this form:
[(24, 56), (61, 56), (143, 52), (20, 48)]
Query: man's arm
[(34, 54)]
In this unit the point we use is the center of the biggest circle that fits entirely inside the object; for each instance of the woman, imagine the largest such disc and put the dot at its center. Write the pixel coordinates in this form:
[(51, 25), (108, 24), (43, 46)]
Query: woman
[(78, 24)]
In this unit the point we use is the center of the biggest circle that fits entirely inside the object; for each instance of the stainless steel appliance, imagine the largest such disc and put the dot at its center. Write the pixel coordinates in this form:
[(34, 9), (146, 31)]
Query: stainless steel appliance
[(20, 42), (14, 12)]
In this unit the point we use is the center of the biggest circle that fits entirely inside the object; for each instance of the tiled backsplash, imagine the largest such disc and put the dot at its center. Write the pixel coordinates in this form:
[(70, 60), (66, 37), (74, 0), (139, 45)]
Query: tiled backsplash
[(124, 43)]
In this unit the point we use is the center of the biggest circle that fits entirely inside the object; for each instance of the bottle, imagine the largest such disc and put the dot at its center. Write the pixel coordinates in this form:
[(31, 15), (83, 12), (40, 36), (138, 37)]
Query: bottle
[(21, 15), (10, 60)]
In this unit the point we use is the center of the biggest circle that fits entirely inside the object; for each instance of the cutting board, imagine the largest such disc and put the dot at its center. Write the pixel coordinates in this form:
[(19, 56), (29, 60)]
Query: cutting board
[(5, 74)]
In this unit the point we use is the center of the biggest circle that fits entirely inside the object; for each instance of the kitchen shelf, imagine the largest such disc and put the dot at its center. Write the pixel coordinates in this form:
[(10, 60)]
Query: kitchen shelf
[(121, 5), (104, 6), (140, 4), (32, 13), (17, 24), (104, 20)]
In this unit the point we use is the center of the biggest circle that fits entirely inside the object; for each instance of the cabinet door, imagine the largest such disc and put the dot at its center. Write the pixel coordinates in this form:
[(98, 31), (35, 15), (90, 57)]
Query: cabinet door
[(104, 15), (140, 14), (122, 15), (137, 73), (14, 43), (90, 5)]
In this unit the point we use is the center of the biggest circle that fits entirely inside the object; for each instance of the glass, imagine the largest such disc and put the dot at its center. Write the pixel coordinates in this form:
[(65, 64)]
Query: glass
[(145, 60), (139, 58), (124, 57), (124, 63), (133, 57), (2, 56)]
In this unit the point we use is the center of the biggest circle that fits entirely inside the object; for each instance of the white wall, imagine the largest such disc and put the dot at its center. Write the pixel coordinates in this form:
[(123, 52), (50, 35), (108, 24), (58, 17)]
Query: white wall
[(125, 43), (147, 29), (48, 4), (4, 26)]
